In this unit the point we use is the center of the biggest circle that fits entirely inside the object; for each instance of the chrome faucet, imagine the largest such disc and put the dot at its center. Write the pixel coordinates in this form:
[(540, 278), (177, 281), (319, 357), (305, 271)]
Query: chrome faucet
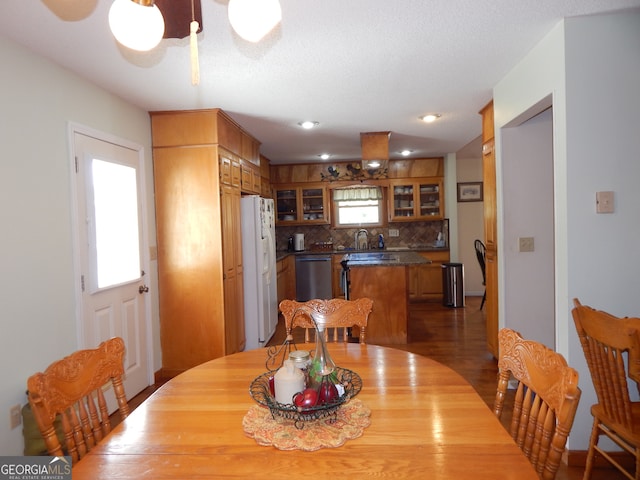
[(362, 239)]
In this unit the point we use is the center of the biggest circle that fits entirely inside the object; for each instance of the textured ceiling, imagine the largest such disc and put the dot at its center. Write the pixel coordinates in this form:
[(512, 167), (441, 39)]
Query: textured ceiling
[(352, 65)]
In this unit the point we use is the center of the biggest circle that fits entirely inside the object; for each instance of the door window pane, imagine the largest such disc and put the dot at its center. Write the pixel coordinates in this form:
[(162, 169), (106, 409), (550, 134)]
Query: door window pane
[(115, 219)]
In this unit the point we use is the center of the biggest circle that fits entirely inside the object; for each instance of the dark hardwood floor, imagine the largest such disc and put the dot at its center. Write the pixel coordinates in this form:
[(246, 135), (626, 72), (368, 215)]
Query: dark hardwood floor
[(455, 337)]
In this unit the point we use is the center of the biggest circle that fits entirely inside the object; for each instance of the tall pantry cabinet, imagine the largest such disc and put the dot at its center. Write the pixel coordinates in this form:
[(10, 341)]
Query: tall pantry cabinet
[(490, 226), (197, 177)]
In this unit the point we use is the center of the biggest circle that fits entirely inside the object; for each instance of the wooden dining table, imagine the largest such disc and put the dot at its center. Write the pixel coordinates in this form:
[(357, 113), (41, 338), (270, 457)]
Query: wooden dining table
[(426, 421)]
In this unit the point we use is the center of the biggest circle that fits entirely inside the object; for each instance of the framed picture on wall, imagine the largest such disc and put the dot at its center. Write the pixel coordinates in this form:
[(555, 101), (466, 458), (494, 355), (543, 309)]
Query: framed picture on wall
[(469, 191)]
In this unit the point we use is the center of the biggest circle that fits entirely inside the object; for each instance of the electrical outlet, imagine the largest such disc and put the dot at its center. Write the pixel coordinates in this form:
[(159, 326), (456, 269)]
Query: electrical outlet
[(394, 232), (15, 415), (525, 244)]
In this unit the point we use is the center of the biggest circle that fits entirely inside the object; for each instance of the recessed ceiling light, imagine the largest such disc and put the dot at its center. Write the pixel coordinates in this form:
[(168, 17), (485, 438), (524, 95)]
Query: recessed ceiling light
[(324, 156), (308, 124), (430, 117), (406, 153)]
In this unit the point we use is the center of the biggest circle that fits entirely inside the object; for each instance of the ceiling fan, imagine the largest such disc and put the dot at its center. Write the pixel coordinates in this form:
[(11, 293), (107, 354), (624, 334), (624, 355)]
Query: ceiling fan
[(142, 24)]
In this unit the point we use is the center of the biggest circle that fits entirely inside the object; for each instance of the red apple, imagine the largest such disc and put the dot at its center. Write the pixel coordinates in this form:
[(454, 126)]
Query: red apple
[(327, 393), (306, 399)]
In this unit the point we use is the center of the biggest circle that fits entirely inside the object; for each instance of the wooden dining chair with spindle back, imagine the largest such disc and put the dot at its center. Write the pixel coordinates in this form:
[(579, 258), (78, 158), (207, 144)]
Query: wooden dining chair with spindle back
[(337, 313), (611, 347), (72, 388), (545, 402)]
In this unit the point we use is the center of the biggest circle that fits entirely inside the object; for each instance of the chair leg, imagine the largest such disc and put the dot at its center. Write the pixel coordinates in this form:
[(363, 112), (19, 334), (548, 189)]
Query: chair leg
[(484, 297), (593, 441)]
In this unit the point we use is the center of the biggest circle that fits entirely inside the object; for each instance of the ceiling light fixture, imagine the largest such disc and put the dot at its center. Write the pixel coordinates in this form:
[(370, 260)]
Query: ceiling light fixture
[(430, 117), (136, 24), (324, 156), (308, 124), (406, 153), (253, 19)]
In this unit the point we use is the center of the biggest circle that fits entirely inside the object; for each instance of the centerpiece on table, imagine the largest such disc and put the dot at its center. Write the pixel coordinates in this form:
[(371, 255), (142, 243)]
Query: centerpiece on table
[(324, 387)]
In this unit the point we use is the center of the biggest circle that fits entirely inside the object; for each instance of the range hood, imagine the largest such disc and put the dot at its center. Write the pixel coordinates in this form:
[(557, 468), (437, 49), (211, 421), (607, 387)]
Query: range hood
[(375, 150)]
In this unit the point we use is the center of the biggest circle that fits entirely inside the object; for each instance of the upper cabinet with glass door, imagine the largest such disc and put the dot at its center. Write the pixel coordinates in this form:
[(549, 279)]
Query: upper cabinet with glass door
[(416, 199), (307, 205)]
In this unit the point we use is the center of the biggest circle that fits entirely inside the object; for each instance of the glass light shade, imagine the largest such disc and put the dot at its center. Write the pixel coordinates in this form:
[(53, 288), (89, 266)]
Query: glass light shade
[(136, 24), (253, 19)]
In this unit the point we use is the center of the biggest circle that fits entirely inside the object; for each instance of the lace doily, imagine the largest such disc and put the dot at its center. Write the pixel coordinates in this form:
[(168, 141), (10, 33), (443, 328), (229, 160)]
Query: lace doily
[(352, 419)]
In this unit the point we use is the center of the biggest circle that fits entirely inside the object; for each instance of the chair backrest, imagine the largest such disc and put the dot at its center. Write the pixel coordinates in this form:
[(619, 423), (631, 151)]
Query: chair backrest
[(338, 313), (481, 256), (605, 339), (545, 403), (70, 388)]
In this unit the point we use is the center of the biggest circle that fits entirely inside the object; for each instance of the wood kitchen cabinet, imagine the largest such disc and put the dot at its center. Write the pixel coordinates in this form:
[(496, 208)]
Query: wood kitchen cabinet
[(197, 175), (425, 281), (490, 227), (265, 177), (416, 199), (233, 279), (251, 180), (306, 205), (286, 278)]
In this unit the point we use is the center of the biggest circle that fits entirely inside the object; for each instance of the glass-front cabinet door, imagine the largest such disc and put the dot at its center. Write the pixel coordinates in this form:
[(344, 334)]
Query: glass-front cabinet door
[(416, 199), (402, 201), (428, 200), (313, 204), (287, 205), (297, 204)]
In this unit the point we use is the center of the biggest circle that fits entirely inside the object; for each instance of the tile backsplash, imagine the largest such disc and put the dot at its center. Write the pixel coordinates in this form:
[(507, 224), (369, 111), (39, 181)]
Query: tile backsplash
[(411, 234)]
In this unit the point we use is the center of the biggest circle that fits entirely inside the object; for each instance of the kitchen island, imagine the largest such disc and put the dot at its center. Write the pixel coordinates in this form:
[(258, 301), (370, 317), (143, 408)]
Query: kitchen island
[(383, 276)]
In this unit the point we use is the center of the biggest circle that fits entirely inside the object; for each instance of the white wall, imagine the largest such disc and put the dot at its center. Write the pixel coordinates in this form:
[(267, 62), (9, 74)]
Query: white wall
[(470, 216), (603, 153), (590, 68), (38, 321), (527, 172)]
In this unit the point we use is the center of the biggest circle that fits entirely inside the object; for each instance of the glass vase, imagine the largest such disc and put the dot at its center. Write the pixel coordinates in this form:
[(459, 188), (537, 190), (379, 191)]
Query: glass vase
[(322, 365)]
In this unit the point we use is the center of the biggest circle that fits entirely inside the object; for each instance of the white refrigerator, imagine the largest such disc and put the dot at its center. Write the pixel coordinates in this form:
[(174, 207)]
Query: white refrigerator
[(259, 267)]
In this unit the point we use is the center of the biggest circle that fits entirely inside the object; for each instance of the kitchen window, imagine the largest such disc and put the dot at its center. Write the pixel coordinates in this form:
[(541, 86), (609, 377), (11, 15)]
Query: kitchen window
[(358, 206)]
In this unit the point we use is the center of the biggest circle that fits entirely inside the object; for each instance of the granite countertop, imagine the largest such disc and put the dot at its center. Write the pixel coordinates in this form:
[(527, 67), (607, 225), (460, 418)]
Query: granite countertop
[(381, 258), (343, 251)]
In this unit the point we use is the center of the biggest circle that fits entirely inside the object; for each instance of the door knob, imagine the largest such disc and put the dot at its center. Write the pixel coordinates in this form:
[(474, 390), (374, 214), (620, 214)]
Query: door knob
[(143, 289)]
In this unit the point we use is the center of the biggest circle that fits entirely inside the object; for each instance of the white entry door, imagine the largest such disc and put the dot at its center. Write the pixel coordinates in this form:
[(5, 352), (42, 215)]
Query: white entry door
[(109, 190)]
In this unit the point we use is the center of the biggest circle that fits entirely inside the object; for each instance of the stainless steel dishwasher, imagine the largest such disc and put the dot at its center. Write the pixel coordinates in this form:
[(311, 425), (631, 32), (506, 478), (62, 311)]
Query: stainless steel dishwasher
[(313, 277)]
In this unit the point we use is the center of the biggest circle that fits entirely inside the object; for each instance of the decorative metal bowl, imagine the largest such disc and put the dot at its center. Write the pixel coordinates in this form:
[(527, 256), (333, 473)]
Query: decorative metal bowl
[(260, 391)]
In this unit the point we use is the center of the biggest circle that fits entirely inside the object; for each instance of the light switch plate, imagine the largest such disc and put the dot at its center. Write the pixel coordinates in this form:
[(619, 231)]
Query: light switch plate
[(394, 232), (604, 202)]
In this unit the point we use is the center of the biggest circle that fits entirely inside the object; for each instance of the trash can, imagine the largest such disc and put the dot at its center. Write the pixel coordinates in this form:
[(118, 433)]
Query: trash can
[(453, 284)]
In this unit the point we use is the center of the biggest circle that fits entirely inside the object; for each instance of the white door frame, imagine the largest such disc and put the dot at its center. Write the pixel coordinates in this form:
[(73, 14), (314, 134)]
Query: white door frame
[(72, 129)]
